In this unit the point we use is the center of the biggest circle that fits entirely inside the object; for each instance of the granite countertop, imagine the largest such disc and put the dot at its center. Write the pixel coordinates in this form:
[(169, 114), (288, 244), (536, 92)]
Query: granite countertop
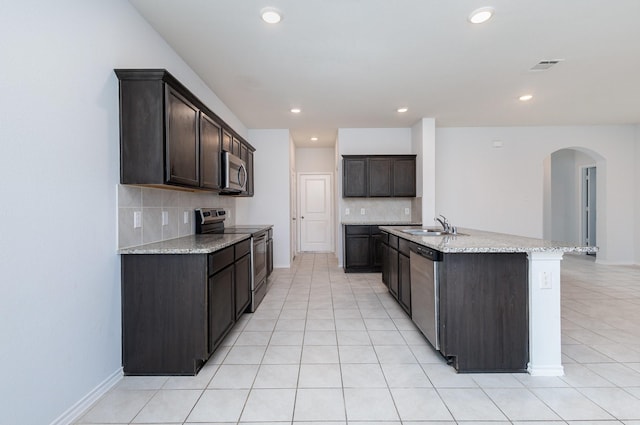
[(192, 244), (381, 223), (479, 241)]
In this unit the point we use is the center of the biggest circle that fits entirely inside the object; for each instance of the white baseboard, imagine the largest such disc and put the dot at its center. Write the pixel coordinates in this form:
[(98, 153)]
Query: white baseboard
[(79, 408)]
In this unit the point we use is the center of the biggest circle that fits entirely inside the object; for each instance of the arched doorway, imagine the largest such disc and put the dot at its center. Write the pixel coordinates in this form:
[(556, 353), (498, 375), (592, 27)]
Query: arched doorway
[(573, 194)]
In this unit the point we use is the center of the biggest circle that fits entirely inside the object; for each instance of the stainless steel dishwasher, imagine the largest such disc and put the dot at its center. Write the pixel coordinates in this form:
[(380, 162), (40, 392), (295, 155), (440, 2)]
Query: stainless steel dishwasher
[(424, 292)]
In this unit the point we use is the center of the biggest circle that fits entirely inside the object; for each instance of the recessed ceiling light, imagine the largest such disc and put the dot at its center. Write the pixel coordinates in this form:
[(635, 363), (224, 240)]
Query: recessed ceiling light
[(403, 109), (296, 110), (271, 15), (314, 139), (526, 97), (481, 15)]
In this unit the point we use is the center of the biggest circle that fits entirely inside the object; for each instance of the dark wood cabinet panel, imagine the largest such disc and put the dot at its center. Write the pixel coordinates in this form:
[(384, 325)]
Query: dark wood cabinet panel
[(484, 311), (226, 141), (236, 146), (243, 284), (164, 314), (354, 177), (222, 313), (377, 240), (394, 278), (269, 252), (363, 248), (404, 177), (379, 176), (246, 154), (404, 283), (357, 253), (183, 159), (176, 309), (209, 153)]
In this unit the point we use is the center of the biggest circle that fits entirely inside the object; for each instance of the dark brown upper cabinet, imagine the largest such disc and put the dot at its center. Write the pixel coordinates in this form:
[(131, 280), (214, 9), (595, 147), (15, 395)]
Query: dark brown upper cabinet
[(209, 152), (183, 158), (168, 137), (379, 176), (354, 176)]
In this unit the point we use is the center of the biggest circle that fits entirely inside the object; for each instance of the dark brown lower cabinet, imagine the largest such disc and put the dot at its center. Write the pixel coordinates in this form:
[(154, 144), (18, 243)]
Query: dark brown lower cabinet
[(363, 248), (404, 282), (396, 270), (483, 305), (222, 314), (484, 320), (243, 284), (177, 309)]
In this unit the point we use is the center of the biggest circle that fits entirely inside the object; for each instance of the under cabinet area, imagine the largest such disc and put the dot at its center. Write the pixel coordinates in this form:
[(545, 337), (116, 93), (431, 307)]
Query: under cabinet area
[(168, 137), (177, 308), (379, 176)]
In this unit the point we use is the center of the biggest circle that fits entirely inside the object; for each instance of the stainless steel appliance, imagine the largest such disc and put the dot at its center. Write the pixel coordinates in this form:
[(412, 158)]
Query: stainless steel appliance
[(211, 220), (425, 310), (234, 173)]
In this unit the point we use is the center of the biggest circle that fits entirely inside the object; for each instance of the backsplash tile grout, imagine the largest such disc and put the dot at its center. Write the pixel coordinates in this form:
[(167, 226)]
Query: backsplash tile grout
[(152, 202)]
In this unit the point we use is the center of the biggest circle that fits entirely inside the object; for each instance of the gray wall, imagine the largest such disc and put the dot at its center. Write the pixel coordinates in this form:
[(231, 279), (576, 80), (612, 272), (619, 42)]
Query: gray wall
[(59, 168)]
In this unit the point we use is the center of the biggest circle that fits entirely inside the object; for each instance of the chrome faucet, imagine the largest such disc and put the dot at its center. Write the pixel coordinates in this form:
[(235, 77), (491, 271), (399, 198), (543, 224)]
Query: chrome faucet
[(446, 226)]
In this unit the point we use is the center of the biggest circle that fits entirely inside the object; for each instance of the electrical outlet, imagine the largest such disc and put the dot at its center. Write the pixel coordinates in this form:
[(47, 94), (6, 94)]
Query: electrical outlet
[(165, 218), (347, 211), (545, 280), (185, 217), (137, 219), (407, 211), (361, 211)]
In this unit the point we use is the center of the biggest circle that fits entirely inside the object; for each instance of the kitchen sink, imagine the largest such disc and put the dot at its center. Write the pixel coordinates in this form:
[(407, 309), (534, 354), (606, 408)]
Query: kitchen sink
[(430, 231), (425, 232)]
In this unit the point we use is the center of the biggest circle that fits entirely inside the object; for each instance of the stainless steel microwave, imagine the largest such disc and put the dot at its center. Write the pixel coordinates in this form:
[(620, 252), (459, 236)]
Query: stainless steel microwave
[(234, 173)]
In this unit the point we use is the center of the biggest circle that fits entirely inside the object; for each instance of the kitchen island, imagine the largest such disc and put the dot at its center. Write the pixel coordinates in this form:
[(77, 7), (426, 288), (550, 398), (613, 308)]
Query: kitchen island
[(498, 299)]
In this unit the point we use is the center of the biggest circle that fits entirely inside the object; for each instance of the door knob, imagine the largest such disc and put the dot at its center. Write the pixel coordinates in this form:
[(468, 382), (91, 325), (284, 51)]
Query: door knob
[(302, 217)]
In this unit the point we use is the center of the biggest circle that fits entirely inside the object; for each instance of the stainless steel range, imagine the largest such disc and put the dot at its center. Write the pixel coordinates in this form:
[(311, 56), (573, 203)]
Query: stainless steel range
[(211, 220)]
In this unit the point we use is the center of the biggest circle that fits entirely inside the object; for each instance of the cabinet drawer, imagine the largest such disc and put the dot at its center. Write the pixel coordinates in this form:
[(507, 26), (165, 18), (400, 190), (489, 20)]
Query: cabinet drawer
[(404, 246), (357, 230), (220, 259), (393, 241), (242, 248)]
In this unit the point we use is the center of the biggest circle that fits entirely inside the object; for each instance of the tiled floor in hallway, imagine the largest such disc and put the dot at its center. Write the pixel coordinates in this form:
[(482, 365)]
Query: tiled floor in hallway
[(329, 347)]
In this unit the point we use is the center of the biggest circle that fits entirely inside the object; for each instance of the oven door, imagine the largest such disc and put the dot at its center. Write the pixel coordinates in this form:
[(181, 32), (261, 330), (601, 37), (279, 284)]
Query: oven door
[(234, 175)]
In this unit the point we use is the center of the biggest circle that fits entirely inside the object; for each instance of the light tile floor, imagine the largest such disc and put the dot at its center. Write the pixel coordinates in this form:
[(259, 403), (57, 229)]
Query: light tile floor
[(330, 348)]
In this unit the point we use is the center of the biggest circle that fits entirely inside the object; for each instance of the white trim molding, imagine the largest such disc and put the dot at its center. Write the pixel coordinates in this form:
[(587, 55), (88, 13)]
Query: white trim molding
[(80, 407), (545, 349)]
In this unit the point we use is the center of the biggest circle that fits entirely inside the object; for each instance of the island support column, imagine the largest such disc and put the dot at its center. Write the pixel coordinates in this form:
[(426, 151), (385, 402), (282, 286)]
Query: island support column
[(545, 352)]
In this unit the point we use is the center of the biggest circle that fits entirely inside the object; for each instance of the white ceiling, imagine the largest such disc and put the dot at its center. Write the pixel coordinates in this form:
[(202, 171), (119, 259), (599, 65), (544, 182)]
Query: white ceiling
[(351, 63)]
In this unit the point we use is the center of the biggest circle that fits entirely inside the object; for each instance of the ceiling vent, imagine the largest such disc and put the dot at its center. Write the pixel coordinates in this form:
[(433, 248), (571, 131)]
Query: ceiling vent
[(545, 64)]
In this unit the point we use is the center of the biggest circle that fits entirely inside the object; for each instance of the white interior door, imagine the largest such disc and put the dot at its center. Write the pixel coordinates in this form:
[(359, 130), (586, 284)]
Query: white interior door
[(315, 213)]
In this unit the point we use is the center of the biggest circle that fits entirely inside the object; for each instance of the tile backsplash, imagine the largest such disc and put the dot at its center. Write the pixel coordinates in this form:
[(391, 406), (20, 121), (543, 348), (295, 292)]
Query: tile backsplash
[(152, 202), (381, 210)]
